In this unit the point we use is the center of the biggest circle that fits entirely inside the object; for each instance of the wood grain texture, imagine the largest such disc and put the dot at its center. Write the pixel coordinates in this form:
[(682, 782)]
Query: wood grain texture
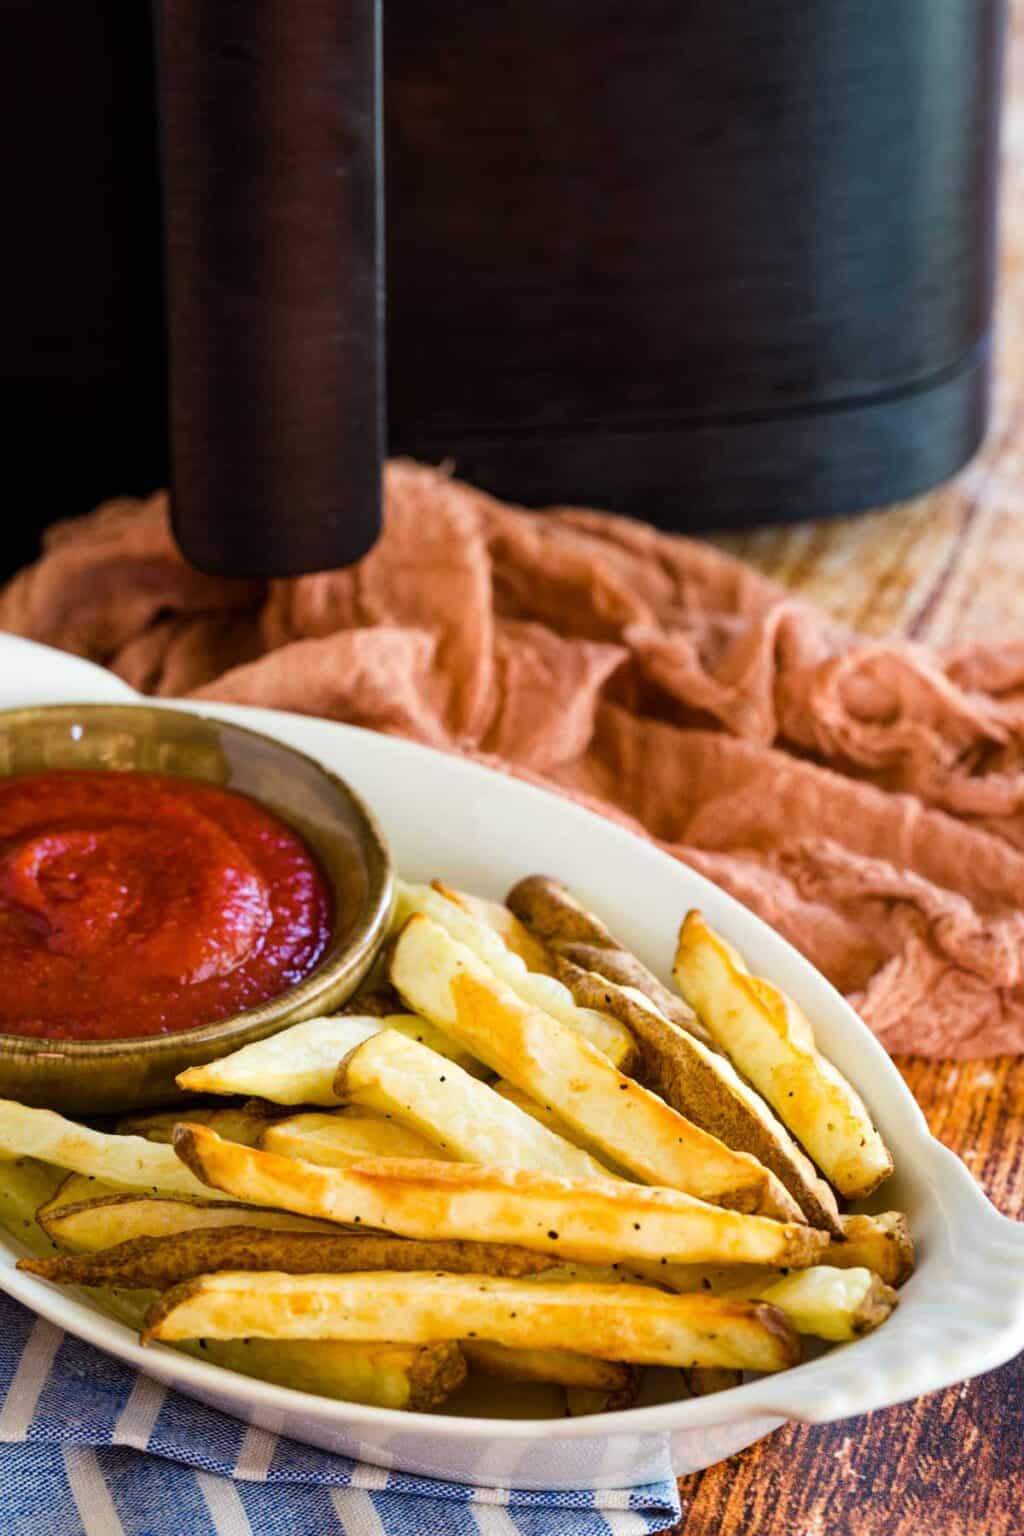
[(944, 568)]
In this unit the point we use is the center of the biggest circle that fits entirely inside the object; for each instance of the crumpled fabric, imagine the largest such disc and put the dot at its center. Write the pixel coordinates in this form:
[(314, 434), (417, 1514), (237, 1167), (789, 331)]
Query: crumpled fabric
[(865, 798)]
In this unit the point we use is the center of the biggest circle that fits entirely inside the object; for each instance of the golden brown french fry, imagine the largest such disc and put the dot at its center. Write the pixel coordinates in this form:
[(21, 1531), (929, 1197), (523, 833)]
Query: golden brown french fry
[(563, 1366), (532, 987), (99, 1223), (569, 1219), (616, 1322), (771, 1041), (416, 1377), (126, 1160), (462, 1116), (704, 1086), (566, 928), (881, 1243), (446, 982), (235, 1122), (297, 1065), (494, 914), (157, 1263), (25, 1185), (345, 1136)]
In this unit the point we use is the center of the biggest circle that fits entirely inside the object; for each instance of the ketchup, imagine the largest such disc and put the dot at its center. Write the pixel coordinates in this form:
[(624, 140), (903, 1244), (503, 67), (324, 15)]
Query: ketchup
[(139, 904)]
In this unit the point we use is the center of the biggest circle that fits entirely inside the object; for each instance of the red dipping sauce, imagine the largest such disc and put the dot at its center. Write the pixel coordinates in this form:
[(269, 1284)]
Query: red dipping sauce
[(140, 904)]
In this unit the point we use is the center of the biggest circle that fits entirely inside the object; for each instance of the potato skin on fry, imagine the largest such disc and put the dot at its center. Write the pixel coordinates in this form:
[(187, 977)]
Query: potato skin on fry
[(613, 1322), (160, 1262), (881, 1243), (564, 1218), (547, 909), (109, 1219), (563, 1366)]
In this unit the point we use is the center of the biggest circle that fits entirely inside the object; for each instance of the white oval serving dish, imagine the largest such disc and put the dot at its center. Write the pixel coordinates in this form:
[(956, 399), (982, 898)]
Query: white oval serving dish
[(960, 1314)]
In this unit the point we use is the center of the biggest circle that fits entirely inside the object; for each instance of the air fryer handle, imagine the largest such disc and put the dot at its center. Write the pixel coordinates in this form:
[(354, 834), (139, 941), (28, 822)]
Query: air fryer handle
[(271, 119)]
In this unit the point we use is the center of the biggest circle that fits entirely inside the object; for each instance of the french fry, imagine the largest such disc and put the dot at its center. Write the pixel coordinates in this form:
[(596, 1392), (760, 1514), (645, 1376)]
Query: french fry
[(675, 1059), (566, 928), (771, 1041), (562, 1366), (833, 1304), (467, 1120), (616, 1322), (824, 1300), (494, 914), (76, 1188), (704, 1086), (102, 1222), (347, 1136), (532, 987), (125, 1160), (569, 1219), (881, 1243), (415, 1377), (25, 1185), (157, 1263), (447, 983), (297, 1065), (235, 1122)]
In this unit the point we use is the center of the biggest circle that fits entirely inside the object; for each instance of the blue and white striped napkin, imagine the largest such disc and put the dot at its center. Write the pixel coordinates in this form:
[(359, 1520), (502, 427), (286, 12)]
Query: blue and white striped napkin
[(89, 1448)]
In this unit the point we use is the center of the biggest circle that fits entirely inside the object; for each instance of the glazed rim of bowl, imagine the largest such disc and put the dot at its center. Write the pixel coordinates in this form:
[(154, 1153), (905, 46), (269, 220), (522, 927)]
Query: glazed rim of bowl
[(368, 927)]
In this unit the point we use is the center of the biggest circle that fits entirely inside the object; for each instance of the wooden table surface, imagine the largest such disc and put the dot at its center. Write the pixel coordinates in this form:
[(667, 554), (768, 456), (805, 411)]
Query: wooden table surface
[(944, 568)]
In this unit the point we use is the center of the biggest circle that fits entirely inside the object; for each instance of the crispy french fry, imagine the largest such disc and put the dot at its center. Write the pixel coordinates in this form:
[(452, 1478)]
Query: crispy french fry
[(834, 1304), (345, 1136), (569, 1219), (25, 1185), (562, 1366), (160, 1262), (104, 1221), (771, 1040), (616, 1322), (416, 1377), (494, 914), (235, 1122), (467, 1120), (446, 982), (704, 1086), (549, 912), (881, 1243), (126, 1160), (297, 1065), (533, 988)]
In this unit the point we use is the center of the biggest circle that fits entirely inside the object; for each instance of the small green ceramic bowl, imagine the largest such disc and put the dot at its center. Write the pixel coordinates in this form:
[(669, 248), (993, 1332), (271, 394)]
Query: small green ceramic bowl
[(110, 1077)]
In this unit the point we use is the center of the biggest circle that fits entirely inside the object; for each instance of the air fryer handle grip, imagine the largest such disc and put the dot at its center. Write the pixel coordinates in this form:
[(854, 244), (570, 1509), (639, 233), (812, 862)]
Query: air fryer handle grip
[(271, 119)]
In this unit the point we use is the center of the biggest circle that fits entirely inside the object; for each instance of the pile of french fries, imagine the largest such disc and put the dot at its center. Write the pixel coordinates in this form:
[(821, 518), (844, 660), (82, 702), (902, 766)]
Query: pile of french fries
[(518, 1154)]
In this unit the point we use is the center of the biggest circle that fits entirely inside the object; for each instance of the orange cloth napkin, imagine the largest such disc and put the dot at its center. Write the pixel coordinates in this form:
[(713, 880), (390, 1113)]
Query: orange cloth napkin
[(866, 799)]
